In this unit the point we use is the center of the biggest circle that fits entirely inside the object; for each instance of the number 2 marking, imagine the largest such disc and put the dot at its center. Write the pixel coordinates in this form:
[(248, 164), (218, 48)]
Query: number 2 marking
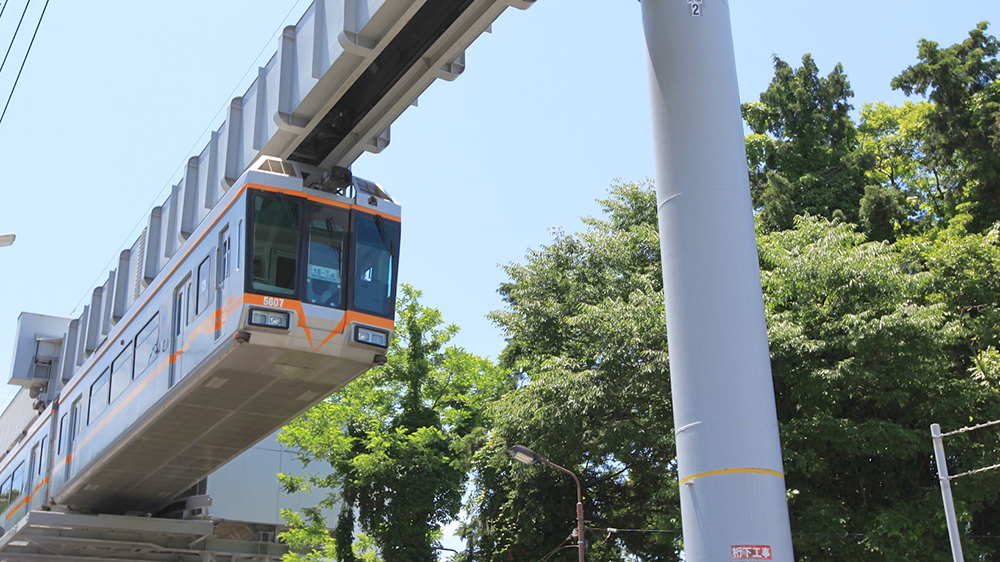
[(695, 9)]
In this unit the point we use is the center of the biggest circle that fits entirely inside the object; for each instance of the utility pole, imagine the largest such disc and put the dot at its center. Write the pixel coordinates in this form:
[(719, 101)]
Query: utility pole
[(949, 502), (732, 487)]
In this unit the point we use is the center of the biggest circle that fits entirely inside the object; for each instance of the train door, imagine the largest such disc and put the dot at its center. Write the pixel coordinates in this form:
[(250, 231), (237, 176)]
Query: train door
[(29, 480), (181, 319), (221, 275)]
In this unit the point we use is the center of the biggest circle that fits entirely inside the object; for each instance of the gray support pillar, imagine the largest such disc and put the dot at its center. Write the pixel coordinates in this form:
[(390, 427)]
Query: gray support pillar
[(732, 484)]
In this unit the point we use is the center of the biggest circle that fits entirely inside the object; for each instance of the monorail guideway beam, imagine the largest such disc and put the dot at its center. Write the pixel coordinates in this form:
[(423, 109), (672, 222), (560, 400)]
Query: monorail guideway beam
[(732, 489)]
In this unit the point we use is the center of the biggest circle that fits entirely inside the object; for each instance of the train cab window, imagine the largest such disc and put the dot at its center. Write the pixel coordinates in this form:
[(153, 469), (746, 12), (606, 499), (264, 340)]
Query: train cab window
[(275, 239), (325, 256), (99, 396), (375, 264), (146, 348), (121, 372)]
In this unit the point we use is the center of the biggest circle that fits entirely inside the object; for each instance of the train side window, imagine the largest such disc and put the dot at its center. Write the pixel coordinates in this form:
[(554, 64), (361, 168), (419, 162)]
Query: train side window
[(61, 443), (146, 345), (17, 483), (224, 251), (74, 422), (239, 245), (33, 462), (42, 447), (99, 393), (121, 372), (204, 295), (187, 309), (275, 244), (5, 494), (179, 312)]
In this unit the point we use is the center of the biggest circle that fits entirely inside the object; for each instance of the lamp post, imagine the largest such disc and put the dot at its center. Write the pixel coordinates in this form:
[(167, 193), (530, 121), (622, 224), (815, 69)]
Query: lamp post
[(7, 239), (527, 456)]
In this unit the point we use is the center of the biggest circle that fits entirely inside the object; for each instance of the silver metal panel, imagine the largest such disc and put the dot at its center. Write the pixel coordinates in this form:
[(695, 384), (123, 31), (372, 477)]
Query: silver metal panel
[(108, 303), (15, 419), (124, 275), (171, 233), (83, 324), (94, 337), (30, 327), (67, 361), (151, 255), (189, 211)]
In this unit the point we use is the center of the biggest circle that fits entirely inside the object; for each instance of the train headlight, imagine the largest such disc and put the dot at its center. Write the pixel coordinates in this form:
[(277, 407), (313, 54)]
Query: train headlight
[(371, 337), (269, 318)]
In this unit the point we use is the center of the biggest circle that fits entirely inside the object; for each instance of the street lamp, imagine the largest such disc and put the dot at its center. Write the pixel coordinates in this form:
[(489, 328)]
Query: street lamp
[(527, 456), (7, 239)]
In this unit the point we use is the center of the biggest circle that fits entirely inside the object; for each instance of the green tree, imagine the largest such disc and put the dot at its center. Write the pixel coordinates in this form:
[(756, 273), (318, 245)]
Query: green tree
[(803, 152), (923, 189), (586, 334), (397, 443), (871, 342), (865, 357), (963, 127)]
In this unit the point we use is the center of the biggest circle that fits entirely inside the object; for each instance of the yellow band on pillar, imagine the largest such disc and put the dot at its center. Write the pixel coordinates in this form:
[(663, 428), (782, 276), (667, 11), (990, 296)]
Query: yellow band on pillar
[(732, 471)]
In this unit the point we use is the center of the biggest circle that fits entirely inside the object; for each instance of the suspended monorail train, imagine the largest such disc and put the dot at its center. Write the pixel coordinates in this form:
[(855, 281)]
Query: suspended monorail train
[(282, 292)]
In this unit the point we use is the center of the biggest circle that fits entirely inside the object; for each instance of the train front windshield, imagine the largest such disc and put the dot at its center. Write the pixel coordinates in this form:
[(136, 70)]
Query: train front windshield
[(321, 254)]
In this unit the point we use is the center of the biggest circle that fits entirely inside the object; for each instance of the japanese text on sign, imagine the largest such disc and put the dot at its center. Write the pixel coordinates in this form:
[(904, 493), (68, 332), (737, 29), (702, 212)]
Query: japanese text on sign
[(751, 552)]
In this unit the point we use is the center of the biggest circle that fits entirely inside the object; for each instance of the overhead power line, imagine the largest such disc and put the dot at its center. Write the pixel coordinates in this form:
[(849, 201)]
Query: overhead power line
[(13, 37), (26, 53)]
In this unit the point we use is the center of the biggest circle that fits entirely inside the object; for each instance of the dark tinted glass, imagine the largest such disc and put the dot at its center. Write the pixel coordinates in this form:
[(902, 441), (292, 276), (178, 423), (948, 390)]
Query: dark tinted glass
[(376, 252)]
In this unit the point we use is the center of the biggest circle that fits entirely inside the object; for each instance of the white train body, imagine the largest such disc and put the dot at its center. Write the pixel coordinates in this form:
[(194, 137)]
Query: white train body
[(284, 292)]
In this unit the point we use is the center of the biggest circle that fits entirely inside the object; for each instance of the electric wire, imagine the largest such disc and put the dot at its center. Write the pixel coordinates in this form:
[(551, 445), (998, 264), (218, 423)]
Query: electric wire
[(2, 8), (561, 546), (13, 37), (26, 53), (976, 471), (970, 428), (183, 163)]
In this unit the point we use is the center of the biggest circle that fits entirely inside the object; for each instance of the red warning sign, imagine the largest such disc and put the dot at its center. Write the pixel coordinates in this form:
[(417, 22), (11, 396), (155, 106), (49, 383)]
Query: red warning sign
[(751, 552)]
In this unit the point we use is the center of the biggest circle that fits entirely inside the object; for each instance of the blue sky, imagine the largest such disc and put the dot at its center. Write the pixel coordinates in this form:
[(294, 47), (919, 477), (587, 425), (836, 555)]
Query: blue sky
[(552, 108)]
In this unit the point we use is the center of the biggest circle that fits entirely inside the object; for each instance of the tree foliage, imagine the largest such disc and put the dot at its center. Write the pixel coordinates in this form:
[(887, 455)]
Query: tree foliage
[(803, 153), (871, 342), (397, 444), (864, 360), (963, 125), (586, 336)]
